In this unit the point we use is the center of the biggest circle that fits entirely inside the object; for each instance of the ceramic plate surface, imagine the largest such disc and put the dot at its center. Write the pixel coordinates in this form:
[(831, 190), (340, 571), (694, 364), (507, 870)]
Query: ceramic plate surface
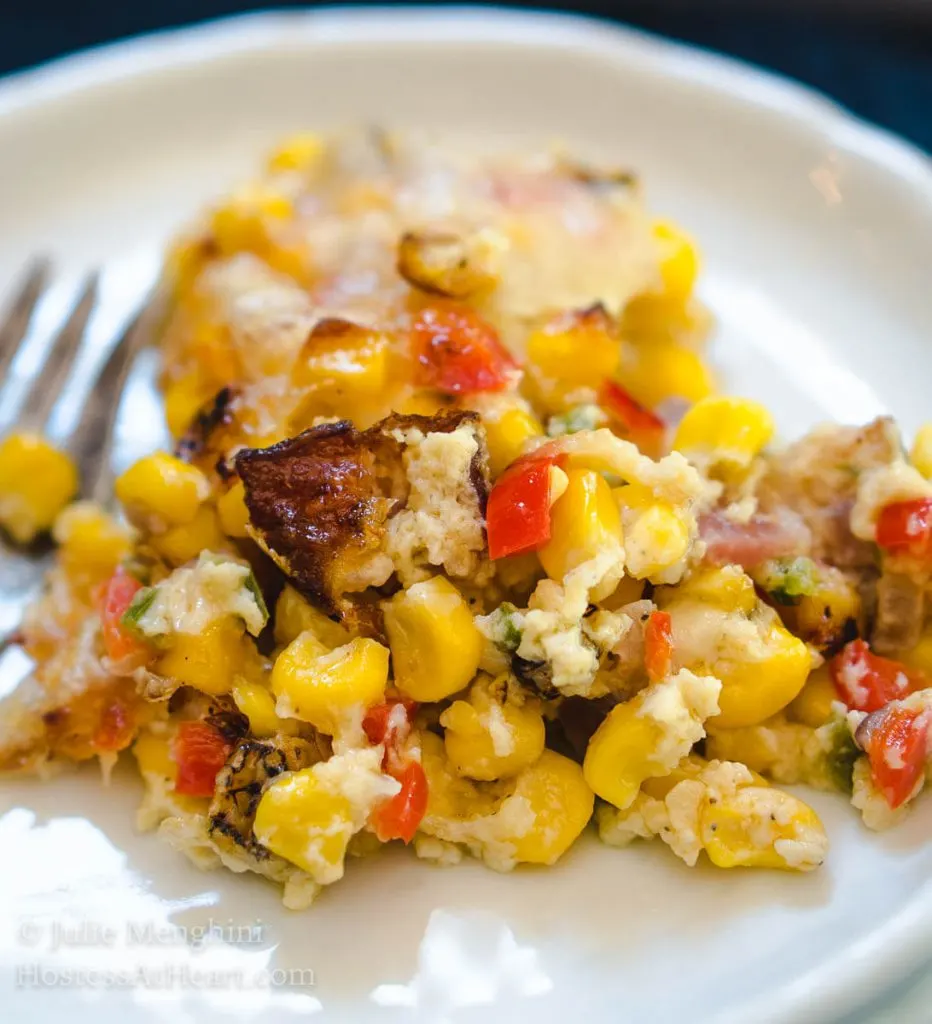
[(817, 233)]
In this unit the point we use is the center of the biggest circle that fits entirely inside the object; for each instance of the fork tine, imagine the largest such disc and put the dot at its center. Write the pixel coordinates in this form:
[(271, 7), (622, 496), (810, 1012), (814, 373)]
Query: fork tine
[(44, 391), (14, 326)]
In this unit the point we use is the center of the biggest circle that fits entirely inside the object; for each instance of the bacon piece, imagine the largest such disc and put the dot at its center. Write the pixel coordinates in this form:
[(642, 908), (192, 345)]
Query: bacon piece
[(748, 544)]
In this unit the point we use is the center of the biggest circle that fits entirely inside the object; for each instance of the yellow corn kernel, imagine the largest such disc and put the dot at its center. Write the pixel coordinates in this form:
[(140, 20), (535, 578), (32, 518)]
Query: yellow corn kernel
[(663, 369), (325, 687), (242, 224), (302, 820), (450, 796), (628, 590), (754, 690), (489, 738), (295, 615), (436, 646), (824, 617), (162, 487), (562, 803), (584, 523), (301, 152), (184, 399), (764, 828), (920, 656), (687, 770), (92, 543), (256, 702), (813, 705), (424, 403), (724, 431), (574, 352), (508, 435), (181, 544), (757, 747), (620, 754), (208, 661), (153, 753), (339, 366), (36, 482), (679, 261), (656, 535), (921, 455), (728, 588), (232, 511)]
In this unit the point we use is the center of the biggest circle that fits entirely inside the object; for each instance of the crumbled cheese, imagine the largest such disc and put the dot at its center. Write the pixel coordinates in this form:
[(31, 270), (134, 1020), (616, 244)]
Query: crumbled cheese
[(679, 706), (876, 813), (500, 732), (436, 850), (882, 486), (441, 524), (490, 837)]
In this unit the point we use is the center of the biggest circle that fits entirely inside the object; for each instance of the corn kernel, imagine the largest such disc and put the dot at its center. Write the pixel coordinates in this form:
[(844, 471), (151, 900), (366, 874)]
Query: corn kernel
[(36, 482), (628, 590), (208, 661), (724, 431), (662, 369), (295, 615), (688, 769), (574, 352), (154, 755), (242, 224), (656, 535), (813, 705), (921, 455), (487, 738), (436, 646), (584, 523), (508, 435), (232, 511), (184, 399), (450, 796), (325, 687), (256, 702), (562, 803), (757, 747), (679, 261), (301, 152), (92, 543), (728, 588), (162, 487), (308, 824), (763, 828), (183, 543)]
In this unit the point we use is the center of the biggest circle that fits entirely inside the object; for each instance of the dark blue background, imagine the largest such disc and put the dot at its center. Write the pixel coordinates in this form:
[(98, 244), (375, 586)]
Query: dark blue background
[(874, 56)]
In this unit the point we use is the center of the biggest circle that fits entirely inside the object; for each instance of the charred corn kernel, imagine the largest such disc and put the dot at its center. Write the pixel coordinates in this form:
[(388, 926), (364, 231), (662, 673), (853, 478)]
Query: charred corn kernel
[(825, 617), (578, 352), (629, 589), (256, 702), (921, 454), (562, 802), (813, 705), (153, 753), (184, 262), (307, 823), (920, 656), (656, 534), (301, 152), (754, 690), (242, 224), (584, 521), (92, 543), (508, 435), (679, 261), (764, 828), (162, 487), (436, 646), (342, 364), (663, 369), (728, 588), (184, 399), (181, 544), (724, 431), (325, 687), (36, 482), (295, 615), (232, 511), (208, 661), (620, 754), (490, 735)]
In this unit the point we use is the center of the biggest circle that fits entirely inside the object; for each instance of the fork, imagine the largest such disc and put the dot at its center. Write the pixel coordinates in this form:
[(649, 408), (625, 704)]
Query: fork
[(90, 443)]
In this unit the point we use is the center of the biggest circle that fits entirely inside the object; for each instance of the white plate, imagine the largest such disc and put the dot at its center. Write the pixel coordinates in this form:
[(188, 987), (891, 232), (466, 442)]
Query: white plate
[(818, 237)]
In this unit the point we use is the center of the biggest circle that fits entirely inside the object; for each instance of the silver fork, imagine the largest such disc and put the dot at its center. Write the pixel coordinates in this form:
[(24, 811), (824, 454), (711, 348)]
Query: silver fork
[(90, 443)]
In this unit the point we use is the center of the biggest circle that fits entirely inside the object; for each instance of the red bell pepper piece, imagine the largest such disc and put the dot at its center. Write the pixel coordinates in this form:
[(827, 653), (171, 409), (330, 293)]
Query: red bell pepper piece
[(389, 723), (399, 816), (122, 647), (905, 528), (866, 682), (629, 413), (458, 352), (115, 729), (658, 646), (200, 751), (896, 740)]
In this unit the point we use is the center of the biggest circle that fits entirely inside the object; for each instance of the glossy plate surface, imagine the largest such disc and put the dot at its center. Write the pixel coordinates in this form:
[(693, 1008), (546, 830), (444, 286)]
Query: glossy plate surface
[(817, 233)]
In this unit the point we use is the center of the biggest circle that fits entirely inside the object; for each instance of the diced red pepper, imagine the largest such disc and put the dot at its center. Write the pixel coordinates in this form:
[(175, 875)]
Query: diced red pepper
[(116, 728), (384, 724), (905, 528), (865, 681), (200, 751), (122, 647), (645, 429), (517, 516), (896, 740), (658, 646), (458, 352), (399, 817)]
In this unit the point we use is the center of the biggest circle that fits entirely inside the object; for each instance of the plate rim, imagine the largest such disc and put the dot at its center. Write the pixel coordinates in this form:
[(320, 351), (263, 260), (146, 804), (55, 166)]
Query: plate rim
[(858, 972)]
